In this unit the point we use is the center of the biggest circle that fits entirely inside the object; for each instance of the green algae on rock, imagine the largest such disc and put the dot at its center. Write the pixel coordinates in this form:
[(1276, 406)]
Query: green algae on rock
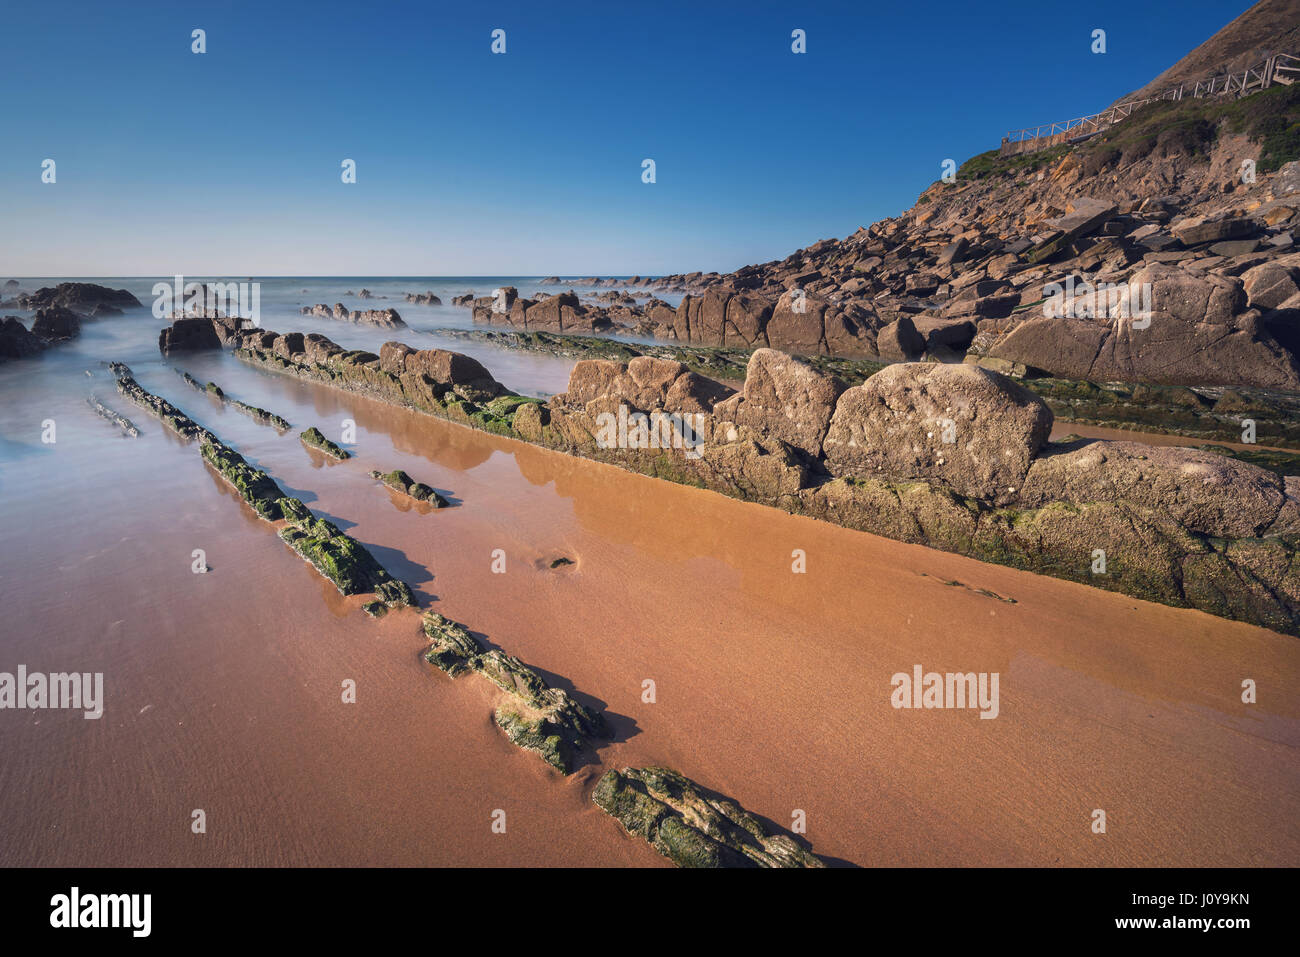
[(691, 827), (401, 482), (337, 556), (316, 440), (538, 718)]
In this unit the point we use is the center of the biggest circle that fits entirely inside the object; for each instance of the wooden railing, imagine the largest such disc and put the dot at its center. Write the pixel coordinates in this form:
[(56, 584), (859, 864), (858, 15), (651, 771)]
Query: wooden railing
[(1283, 68)]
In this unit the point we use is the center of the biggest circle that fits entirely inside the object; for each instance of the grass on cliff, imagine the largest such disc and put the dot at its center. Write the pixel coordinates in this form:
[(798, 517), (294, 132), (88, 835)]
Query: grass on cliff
[(993, 163), (1186, 127), (1191, 128)]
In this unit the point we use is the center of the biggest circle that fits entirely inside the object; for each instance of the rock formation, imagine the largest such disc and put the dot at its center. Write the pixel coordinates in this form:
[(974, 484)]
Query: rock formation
[(953, 457), (690, 827)]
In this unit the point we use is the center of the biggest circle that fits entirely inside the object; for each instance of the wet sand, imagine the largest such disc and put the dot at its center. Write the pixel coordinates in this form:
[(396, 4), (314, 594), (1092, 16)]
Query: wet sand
[(772, 687)]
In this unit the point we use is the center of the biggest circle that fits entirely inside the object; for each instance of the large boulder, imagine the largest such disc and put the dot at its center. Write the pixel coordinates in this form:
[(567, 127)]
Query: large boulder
[(900, 341), (960, 425), (644, 384), (797, 324), (1203, 491), (16, 340), (188, 335), (449, 370), (56, 324), (1197, 333), (1268, 285), (786, 399)]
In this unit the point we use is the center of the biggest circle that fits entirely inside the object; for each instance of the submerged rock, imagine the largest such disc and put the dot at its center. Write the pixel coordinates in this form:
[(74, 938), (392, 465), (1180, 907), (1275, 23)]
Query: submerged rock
[(691, 827)]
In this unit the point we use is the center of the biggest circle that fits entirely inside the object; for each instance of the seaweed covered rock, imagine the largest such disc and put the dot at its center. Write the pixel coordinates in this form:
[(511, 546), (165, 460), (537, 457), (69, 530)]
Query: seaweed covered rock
[(343, 560), (253, 485), (314, 438), (966, 427), (399, 480), (690, 826), (538, 718)]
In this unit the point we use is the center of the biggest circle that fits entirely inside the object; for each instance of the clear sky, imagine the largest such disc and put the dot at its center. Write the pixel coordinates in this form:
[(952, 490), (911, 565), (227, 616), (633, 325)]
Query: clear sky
[(527, 163)]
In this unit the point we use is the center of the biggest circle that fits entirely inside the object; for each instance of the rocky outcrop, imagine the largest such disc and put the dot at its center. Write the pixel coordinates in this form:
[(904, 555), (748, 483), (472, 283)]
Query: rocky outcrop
[(1198, 331), (104, 412), (188, 335), (56, 324), (380, 318), (82, 297), (536, 717), (961, 426), (423, 298), (996, 491), (17, 341), (691, 827)]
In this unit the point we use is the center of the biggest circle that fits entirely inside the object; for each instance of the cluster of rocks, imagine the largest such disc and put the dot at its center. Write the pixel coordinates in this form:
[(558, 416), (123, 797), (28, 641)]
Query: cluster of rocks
[(59, 312), (968, 273), (955, 457), (690, 827), (339, 557), (423, 298), (538, 718), (89, 300), (381, 318)]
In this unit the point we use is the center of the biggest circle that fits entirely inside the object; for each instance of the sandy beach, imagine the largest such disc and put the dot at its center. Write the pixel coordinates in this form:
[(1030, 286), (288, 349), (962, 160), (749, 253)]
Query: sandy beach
[(223, 689)]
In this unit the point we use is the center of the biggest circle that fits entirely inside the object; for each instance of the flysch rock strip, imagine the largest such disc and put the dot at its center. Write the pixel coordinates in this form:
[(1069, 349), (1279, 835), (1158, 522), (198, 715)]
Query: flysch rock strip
[(122, 422), (252, 411), (399, 481), (954, 457), (691, 827), (337, 556)]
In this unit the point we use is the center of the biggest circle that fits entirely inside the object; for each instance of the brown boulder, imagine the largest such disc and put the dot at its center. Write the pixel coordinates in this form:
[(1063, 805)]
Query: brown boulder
[(1203, 491), (966, 427), (786, 399)]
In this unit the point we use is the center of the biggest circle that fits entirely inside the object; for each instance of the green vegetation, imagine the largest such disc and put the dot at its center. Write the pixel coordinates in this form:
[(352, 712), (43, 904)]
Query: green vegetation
[(1190, 128), (993, 163)]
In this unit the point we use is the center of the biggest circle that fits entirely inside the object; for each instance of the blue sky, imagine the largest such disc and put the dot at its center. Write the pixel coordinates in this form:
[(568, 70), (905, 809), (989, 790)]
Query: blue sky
[(528, 163)]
